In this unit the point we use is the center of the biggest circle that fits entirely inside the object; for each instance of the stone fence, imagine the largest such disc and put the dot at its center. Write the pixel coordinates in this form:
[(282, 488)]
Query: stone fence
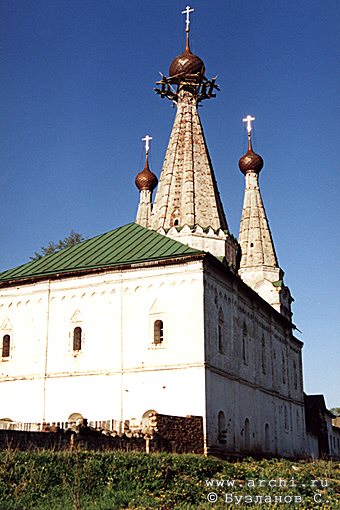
[(164, 434)]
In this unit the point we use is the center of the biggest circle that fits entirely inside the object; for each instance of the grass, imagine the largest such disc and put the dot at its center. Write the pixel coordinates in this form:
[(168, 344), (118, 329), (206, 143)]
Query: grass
[(46, 480)]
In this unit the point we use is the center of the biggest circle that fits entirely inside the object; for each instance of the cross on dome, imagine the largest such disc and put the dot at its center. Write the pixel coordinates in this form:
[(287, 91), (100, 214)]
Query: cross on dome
[(248, 120), (187, 11), (147, 139)]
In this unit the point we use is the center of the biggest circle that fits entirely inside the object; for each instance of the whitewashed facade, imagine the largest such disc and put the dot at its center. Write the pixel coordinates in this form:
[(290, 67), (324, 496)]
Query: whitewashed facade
[(119, 373), (180, 333), (202, 366)]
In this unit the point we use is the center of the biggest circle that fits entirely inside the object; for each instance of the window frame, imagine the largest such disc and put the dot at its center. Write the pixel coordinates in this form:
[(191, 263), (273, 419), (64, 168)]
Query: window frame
[(158, 332), (6, 328), (221, 428), (220, 332), (245, 346), (77, 342), (6, 338), (153, 317), (76, 322)]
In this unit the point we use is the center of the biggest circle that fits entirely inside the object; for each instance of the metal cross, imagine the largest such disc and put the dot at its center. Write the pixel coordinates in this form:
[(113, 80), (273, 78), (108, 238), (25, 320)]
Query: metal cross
[(147, 144), (248, 120), (187, 21)]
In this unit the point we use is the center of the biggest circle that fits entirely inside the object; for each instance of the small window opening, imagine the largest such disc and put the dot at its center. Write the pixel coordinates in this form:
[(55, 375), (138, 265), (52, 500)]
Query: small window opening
[(283, 369), (246, 434), (220, 339), (267, 437), (176, 223), (77, 334), (222, 433), (220, 332), (251, 245), (295, 376), (245, 344), (158, 334), (286, 416), (263, 355), (6, 346)]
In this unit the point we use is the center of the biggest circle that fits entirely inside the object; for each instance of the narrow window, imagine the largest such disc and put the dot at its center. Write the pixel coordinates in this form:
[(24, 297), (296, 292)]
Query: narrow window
[(221, 427), (267, 437), (246, 434), (220, 331), (263, 355), (158, 332), (244, 344), (283, 369), (77, 333), (286, 416), (295, 375), (6, 346)]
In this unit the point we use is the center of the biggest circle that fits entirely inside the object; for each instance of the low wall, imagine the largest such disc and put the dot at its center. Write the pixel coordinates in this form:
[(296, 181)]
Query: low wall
[(168, 434), (185, 434)]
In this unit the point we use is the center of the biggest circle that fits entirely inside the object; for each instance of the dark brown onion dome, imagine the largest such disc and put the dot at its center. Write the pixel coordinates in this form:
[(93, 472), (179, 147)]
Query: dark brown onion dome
[(250, 162), (146, 179), (187, 64)]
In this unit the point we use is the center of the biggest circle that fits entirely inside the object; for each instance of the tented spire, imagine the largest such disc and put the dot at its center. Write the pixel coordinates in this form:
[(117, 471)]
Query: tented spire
[(259, 266), (187, 193)]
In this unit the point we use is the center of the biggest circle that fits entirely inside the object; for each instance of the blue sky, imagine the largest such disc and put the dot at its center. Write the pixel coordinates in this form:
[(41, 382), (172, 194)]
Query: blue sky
[(77, 80)]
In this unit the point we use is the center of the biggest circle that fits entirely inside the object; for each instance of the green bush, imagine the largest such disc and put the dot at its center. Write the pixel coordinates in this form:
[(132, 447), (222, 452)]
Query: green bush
[(47, 480)]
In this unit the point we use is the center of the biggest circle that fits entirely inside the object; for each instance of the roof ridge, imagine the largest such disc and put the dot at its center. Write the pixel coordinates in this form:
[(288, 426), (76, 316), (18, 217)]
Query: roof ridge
[(130, 243)]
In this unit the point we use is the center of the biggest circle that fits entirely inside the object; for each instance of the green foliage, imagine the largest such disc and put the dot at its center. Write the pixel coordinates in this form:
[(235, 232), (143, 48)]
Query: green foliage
[(335, 410), (71, 240), (78, 480)]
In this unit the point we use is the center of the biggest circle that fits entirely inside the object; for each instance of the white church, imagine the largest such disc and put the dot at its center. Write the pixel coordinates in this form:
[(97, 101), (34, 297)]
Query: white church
[(168, 313)]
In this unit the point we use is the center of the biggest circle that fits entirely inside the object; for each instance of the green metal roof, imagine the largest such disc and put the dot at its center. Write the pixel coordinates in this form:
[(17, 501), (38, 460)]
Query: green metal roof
[(129, 244)]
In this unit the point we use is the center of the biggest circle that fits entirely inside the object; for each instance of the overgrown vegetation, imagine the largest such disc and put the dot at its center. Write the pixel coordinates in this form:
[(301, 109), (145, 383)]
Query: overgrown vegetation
[(71, 240), (46, 480)]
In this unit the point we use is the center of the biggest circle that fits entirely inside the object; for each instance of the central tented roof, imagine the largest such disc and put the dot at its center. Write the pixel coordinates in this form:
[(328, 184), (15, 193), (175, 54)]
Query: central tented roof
[(129, 244)]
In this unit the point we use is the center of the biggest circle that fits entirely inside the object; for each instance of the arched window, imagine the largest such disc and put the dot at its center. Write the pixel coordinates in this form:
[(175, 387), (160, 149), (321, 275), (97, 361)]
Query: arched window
[(158, 334), (6, 346), (286, 416), (221, 427), (246, 434), (220, 332), (263, 354), (283, 369), (266, 437), (295, 375), (77, 334), (245, 344)]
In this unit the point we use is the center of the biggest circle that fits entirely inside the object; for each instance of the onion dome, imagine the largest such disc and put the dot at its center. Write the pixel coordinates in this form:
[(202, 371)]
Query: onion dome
[(187, 64), (250, 162), (146, 180)]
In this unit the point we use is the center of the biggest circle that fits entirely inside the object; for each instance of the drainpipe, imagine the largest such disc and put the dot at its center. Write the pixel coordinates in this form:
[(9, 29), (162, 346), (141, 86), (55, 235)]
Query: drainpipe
[(46, 347), (121, 426)]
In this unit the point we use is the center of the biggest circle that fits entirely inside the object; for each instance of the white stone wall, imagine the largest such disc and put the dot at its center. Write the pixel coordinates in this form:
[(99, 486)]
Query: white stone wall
[(255, 374), (312, 446), (119, 373), (202, 367)]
